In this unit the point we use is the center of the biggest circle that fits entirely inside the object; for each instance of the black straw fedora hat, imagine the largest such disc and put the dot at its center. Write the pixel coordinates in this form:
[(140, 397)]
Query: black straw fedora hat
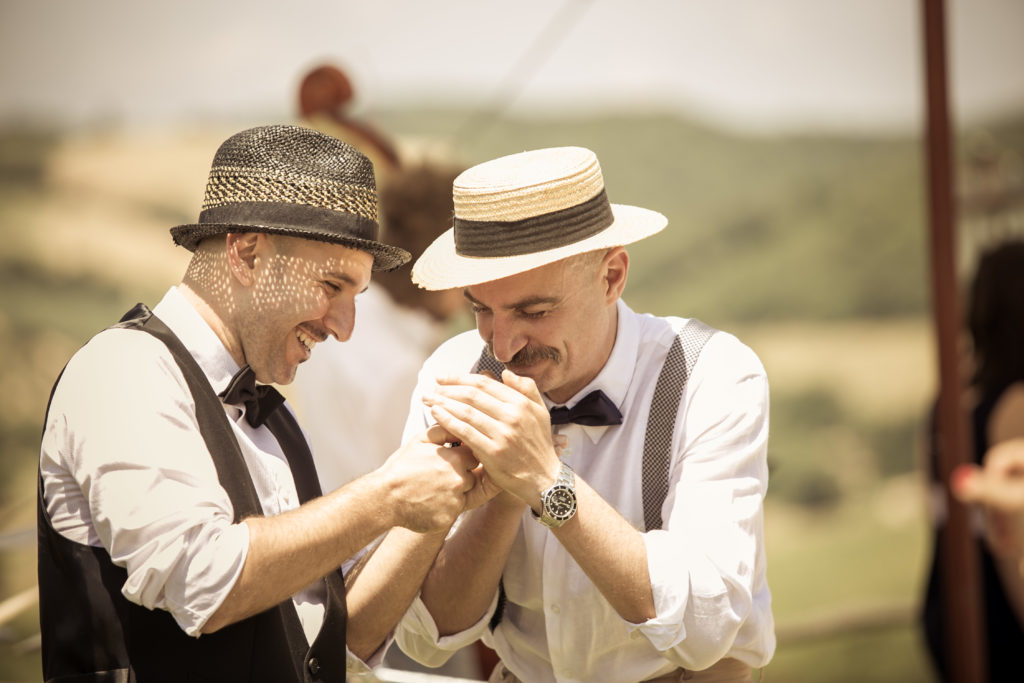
[(293, 181)]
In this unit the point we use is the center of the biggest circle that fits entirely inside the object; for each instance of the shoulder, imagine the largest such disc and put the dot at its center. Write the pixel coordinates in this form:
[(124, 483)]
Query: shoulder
[(116, 361), (719, 353)]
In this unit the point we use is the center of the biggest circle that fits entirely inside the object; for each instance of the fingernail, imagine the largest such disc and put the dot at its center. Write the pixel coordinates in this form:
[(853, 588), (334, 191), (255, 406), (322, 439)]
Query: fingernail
[(960, 476)]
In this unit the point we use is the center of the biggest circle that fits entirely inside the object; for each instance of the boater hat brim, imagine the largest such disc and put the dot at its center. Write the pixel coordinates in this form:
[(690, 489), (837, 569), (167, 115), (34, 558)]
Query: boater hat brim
[(526, 210), (441, 267)]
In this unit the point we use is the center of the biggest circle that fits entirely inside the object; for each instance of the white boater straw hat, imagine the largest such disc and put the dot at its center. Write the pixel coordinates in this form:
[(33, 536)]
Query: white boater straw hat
[(526, 210)]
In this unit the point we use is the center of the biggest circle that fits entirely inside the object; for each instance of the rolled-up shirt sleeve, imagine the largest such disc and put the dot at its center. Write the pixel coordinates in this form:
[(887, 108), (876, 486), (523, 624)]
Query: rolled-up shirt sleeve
[(419, 638), (123, 456), (706, 565)]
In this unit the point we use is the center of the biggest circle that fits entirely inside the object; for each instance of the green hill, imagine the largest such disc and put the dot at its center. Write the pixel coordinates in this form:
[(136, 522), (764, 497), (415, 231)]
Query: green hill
[(759, 227)]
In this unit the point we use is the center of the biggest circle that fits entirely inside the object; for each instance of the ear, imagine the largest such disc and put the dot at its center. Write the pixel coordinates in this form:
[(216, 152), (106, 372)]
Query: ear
[(615, 268), (241, 251)]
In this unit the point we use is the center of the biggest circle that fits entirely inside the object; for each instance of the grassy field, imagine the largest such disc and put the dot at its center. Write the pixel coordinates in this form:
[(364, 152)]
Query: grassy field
[(811, 250)]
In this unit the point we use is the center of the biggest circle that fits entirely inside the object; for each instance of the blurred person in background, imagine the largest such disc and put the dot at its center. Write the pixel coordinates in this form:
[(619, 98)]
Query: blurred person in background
[(399, 324), (182, 530), (325, 97), (995, 325), (627, 545), (998, 487)]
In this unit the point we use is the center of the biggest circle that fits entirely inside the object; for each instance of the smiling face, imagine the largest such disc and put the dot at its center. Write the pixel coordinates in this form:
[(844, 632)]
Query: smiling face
[(555, 324), (301, 291)]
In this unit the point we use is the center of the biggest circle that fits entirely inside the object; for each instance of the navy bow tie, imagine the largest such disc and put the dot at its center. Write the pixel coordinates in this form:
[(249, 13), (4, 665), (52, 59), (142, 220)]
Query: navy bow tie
[(594, 409), (260, 401)]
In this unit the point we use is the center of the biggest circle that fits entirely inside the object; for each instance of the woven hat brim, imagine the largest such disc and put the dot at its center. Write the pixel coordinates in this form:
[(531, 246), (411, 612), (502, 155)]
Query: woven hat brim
[(385, 257), (440, 267)]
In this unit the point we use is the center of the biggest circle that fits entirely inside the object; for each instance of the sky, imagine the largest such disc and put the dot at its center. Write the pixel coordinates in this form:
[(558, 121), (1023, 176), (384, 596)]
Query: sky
[(759, 64)]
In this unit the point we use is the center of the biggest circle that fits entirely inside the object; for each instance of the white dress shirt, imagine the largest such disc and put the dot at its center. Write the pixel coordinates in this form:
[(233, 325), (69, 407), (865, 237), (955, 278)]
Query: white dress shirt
[(706, 566), (125, 467)]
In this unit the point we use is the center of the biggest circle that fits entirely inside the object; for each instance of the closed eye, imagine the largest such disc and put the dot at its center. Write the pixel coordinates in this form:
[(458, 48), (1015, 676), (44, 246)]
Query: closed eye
[(533, 315)]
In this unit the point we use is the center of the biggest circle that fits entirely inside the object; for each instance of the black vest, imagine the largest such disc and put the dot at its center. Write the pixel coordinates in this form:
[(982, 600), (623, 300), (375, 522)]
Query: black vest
[(91, 632)]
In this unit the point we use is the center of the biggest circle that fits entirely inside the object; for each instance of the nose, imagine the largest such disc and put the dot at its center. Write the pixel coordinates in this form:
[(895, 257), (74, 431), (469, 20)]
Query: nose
[(506, 337), (340, 318)]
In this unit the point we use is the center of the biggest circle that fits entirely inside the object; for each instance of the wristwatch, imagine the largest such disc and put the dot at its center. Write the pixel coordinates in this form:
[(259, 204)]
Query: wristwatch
[(558, 502)]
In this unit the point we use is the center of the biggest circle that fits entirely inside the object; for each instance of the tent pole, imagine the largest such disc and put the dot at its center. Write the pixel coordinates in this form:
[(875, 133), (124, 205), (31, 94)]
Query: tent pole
[(959, 561)]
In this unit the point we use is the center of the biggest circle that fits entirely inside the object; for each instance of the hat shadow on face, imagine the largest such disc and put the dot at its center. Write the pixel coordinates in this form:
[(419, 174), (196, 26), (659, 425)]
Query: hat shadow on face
[(293, 282)]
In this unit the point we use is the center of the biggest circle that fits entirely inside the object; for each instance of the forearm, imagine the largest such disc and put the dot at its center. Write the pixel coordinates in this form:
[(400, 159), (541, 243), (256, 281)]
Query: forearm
[(385, 586), (290, 551), (611, 553), (461, 584)]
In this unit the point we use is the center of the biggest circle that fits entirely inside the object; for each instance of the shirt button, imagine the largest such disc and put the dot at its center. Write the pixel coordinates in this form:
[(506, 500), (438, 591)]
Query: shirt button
[(314, 666)]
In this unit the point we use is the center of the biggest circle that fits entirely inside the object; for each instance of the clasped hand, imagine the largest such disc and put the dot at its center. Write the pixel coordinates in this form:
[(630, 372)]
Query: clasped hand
[(432, 482), (507, 428)]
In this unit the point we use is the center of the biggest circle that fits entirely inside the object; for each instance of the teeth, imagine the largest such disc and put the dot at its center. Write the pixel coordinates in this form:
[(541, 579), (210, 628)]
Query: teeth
[(306, 340)]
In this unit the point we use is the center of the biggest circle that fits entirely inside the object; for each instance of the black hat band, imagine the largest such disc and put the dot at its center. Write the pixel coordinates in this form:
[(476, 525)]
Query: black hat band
[(291, 217), (533, 234)]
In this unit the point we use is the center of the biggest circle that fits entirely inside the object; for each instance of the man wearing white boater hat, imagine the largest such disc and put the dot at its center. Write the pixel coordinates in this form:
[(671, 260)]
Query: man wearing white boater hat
[(625, 453)]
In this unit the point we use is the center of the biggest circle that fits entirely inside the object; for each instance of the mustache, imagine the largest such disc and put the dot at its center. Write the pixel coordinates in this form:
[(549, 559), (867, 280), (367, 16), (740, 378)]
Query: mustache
[(529, 355)]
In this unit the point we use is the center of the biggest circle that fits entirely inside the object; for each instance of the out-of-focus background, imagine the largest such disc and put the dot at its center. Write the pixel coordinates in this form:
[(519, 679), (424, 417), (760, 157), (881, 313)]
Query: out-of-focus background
[(783, 140)]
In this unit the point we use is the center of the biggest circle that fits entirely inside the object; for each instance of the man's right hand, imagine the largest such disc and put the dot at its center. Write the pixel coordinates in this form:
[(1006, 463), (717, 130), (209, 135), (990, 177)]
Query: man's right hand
[(429, 481)]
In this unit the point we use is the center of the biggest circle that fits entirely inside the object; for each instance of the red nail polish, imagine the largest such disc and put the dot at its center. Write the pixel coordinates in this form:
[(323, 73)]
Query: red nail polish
[(961, 474)]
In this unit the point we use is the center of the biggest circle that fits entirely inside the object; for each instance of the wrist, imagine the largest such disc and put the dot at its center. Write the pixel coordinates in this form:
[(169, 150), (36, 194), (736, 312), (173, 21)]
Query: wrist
[(543, 482), (508, 501), (558, 501), (382, 491)]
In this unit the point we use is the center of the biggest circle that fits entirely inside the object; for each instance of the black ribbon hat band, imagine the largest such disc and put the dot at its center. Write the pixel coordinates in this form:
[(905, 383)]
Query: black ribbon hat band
[(291, 218), (536, 233)]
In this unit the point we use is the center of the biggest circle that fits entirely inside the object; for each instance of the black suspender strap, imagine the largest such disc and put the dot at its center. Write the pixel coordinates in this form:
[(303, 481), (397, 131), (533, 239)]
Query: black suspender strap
[(234, 476), (213, 423)]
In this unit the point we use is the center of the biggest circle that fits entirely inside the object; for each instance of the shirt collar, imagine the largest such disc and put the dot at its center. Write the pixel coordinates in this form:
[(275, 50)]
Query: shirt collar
[(617, 373), (198, 337)]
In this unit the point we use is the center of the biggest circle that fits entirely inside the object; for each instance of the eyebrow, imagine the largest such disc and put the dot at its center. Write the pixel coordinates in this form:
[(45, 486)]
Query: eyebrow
[(518, 305)]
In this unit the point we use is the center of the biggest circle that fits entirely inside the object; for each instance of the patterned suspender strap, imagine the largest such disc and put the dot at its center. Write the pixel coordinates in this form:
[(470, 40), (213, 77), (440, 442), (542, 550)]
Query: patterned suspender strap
[(679, 362), (488, 362)]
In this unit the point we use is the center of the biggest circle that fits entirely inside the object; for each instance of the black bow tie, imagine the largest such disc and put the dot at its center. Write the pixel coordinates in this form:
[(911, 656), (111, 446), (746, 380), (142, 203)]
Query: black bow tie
[(260, 401), (594, 409)]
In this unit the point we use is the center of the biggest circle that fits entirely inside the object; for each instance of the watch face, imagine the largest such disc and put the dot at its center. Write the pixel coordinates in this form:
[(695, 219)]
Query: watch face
[(560, 503)]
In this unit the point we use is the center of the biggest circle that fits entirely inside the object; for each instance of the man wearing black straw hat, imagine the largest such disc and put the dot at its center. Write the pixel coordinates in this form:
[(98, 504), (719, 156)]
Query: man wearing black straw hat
[(625, 454), (182, 531)]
